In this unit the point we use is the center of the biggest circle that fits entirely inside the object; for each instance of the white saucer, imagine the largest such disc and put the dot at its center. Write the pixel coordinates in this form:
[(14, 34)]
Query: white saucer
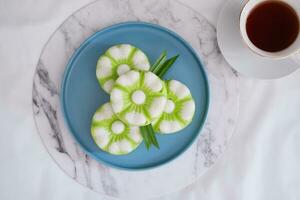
[(239, 56)]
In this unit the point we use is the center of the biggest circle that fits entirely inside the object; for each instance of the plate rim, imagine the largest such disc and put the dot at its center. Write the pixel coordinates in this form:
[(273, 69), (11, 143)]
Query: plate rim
[(81, 47)]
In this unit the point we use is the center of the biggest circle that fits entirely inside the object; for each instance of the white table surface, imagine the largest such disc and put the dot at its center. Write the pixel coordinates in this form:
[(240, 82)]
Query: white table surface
[(260, 163)]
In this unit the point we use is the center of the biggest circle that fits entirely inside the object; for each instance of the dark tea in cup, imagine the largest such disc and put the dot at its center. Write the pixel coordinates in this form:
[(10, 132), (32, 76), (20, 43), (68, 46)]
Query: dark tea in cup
[(272, 25), (270, 28)]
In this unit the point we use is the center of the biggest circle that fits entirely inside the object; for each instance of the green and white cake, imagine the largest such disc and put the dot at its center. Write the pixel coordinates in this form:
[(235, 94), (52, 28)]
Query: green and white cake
[(179, 109), (118, 60), (111, 134), (138, 98)]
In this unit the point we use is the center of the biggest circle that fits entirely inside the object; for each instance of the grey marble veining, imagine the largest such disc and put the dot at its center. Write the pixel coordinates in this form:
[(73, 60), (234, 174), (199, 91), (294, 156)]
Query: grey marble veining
[(119, 183)]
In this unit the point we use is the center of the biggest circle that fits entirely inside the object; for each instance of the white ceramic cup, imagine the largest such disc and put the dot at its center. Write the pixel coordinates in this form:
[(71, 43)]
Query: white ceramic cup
[(246, 10)]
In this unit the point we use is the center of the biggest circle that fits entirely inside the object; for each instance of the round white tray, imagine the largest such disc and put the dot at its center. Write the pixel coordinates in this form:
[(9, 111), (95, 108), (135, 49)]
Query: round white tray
[(168, 178)]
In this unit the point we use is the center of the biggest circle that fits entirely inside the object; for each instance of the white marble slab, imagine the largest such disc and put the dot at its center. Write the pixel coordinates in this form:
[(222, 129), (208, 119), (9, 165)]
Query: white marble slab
[(119, 183)]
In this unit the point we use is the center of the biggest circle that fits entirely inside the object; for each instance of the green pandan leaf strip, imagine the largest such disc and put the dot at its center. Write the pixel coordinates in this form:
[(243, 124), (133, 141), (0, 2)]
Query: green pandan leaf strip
[(166, 66), (152, 136), (111, 134), (159, 62), (179, 109), (138, 97), (118, 60), (146, 136)]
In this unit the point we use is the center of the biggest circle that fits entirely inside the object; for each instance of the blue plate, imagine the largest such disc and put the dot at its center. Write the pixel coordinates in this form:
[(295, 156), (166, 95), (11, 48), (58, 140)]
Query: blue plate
[(81, 94)]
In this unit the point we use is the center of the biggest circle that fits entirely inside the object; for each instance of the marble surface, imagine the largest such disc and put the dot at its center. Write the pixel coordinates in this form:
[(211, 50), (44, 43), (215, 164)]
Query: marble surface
[(261, 161), (210, 145)]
